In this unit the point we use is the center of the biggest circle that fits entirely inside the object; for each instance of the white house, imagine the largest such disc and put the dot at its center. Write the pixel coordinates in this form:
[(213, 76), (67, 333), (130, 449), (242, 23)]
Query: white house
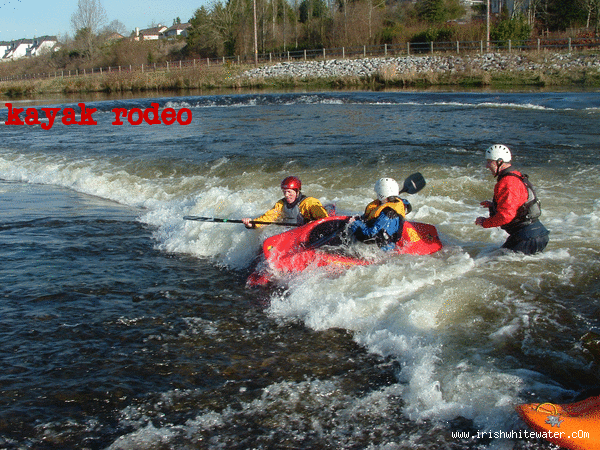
[(512, 6), (149, 33), (4, 46), (496, 6), (42, 45), (179, 29), (18, 49)]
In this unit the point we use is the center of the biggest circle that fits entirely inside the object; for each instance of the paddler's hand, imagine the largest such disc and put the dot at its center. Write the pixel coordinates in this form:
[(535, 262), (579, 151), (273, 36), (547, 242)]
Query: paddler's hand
[(246, 222), (486, 204), (479, 221)]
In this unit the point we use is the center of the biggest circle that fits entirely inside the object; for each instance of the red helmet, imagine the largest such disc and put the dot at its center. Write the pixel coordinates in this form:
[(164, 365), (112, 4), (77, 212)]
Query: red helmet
[(291, 183)]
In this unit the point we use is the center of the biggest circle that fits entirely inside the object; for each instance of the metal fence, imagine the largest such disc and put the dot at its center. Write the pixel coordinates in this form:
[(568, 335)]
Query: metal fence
[(385, 50)]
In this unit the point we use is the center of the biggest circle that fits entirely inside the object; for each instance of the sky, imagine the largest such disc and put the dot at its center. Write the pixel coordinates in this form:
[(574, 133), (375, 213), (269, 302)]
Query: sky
[(26, 19)]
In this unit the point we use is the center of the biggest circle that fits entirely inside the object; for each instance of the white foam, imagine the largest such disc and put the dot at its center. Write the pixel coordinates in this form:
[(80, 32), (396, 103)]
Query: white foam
[(441, 317)]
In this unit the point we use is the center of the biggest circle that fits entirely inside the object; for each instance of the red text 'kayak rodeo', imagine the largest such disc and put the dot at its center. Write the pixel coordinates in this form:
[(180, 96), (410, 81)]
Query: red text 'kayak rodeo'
[(135, 116)]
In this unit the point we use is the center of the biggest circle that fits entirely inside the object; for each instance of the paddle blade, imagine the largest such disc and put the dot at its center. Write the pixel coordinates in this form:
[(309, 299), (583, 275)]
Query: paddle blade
[(414, 183)]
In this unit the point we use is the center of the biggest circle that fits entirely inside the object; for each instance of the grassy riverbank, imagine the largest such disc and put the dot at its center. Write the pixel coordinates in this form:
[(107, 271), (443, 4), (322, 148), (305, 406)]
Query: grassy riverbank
[(230, 77)]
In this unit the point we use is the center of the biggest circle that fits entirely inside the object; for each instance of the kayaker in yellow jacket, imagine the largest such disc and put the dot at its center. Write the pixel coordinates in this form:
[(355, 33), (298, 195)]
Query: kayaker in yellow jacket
[(383, 220), (293, 208)]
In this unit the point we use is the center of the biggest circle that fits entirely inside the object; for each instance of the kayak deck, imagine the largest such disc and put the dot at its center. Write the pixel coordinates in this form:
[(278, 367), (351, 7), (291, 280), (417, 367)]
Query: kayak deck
[(572, 425), (320, 244)]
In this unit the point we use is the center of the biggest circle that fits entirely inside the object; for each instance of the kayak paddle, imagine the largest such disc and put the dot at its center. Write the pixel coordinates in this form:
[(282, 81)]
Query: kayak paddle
[(413, 183), (257, 222)]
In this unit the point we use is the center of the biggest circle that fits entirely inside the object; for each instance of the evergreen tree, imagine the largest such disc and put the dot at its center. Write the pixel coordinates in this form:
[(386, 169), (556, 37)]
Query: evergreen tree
[(200, 38), (439, 11)]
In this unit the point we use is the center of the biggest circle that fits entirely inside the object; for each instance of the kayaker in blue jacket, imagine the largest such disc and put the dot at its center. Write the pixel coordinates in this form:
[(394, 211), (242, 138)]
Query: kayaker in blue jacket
[(383, 220)]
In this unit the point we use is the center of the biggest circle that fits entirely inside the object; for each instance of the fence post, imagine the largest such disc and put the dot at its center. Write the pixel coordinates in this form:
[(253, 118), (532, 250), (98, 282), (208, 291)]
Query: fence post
[(569, 45)]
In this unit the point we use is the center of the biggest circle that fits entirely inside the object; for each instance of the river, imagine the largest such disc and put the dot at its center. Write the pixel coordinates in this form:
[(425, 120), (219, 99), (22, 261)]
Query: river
[(124, 326)]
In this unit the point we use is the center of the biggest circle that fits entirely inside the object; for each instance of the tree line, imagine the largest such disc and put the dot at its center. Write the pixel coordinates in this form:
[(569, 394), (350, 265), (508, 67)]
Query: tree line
[(234, 27), (228, 28)]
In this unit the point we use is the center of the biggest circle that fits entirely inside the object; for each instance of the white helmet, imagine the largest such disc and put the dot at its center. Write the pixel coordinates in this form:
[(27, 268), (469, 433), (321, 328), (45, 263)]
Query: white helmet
[(498, 151), (386, 187)]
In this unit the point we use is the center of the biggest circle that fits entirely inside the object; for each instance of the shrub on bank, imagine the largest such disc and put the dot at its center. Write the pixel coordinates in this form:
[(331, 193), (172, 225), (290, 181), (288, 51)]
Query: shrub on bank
[(543, 69)]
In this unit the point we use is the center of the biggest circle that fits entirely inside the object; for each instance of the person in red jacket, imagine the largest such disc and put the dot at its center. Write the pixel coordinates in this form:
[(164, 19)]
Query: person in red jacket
[(515, 207)]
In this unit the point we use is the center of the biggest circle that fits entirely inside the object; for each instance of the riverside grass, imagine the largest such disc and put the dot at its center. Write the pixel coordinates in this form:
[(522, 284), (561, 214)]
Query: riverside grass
[(230, 77)]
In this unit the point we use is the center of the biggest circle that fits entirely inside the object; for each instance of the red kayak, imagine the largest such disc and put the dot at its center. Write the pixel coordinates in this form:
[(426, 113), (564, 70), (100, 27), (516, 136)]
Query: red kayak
[(314, 245)]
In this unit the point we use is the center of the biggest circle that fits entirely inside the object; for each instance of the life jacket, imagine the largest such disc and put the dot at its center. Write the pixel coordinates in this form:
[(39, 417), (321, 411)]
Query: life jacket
[(374, 210), (291, 212), (528, 212), (407, 232)]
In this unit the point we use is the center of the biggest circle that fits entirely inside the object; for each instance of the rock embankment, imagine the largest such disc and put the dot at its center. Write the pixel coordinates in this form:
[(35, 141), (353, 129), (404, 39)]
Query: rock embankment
[(489, 62)]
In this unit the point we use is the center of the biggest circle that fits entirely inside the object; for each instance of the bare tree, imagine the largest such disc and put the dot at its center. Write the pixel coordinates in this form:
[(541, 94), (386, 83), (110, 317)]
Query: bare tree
[(116, 26), (518, 8), (592, 9), (90, 14), (87, 19), (225, 22), (532, 10)]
